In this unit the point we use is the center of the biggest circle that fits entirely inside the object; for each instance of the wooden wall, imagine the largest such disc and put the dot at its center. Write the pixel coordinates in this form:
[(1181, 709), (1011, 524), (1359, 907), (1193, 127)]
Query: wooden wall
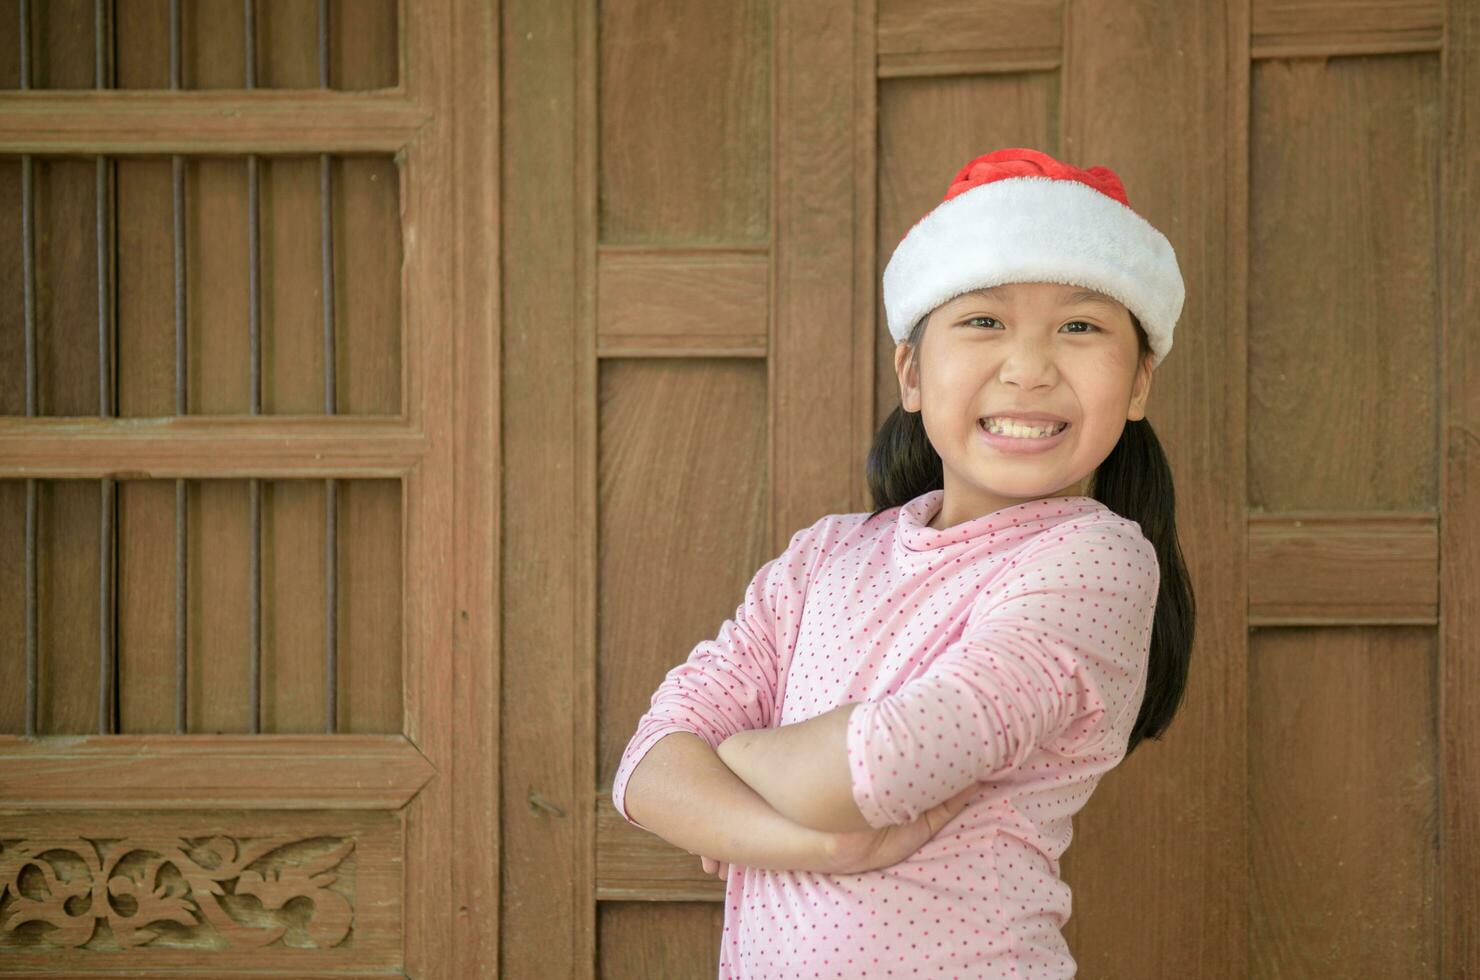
[(609, 330), (740, 177)]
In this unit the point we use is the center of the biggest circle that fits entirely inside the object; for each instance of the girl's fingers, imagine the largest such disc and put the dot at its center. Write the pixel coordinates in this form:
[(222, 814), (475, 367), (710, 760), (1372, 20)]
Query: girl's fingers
[(708, 865)]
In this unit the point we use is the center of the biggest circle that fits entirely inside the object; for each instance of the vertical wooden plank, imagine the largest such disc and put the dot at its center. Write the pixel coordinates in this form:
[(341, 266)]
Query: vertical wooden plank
[(1169, 125), (870, 340), (216, 292), (13, 610), (684, 123), (428, 205), (62, 44), (217, 587), (145, 324), (67, 383), (141, 49), (287, 44), (213, 45), (1459, 520), (146, 606), (635, 943), (365, 44), (66, 266), (67, 605), (816, 429), (580, 833), (12, 296), (548, 537), (372, 629), (1321, 266), (1343, 781), (477, 511), (372, 353), (1344, 267)]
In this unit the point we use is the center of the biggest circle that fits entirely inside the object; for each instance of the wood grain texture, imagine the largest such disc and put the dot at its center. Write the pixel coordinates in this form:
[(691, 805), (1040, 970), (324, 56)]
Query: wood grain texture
[(1459, 489), (1340, 569), (819, 432), (683, 121), (431, 194), (212, 42), (636, 939), (546, 546), (419, 345), (1343, 796), (68, 617), (118, 121), (475, 344), (224, 446), (1301, 29), (952, 38), (1342, 306), (667, 302), (169, 772)]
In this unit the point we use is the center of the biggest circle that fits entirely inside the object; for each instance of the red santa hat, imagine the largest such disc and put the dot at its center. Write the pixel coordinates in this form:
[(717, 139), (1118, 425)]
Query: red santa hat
[(1019, 215)]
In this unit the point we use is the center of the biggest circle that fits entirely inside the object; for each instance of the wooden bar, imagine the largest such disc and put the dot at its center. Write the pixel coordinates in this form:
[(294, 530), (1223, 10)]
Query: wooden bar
[(1458, 249), (210, 772), (673, 302), (1336, 569), (216, 446), (119, 121)]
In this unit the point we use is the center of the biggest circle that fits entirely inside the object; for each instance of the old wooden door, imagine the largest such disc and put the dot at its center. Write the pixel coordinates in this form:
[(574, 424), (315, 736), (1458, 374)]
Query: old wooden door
[(247, 472), (700, 200)]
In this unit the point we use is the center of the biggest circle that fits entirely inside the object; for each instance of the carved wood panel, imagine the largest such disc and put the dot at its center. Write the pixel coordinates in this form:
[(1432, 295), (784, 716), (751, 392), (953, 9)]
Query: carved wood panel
[(162, 889)]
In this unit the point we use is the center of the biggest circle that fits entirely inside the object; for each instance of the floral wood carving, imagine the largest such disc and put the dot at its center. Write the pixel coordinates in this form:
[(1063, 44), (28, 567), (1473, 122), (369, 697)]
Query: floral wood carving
[(199, 892)]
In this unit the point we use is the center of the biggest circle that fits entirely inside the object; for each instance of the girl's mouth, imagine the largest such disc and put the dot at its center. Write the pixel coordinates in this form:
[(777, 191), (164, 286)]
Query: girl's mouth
[(1020, 444)]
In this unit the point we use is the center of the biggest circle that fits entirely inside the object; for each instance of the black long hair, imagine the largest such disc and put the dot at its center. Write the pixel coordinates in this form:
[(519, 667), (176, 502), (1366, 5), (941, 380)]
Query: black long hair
[(1134, 481)]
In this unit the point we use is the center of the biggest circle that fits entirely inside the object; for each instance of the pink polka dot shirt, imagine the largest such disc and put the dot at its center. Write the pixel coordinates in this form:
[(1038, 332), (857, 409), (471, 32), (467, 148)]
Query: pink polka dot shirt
[(1007, 651)]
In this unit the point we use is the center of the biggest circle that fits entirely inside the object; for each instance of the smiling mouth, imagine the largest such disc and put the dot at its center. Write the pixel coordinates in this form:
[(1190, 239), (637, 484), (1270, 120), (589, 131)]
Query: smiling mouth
[(1019, 430)]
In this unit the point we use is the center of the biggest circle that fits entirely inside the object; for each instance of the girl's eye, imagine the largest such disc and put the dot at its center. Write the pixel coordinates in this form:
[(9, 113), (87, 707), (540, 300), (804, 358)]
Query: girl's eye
[(1082, 323)]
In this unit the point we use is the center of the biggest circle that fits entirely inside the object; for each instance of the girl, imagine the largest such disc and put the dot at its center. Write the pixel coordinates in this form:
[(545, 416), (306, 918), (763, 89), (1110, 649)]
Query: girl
[(1005, 627)]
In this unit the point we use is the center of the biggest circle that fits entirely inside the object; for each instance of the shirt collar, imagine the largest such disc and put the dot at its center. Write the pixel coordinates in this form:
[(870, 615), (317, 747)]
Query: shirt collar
[(914, 535)]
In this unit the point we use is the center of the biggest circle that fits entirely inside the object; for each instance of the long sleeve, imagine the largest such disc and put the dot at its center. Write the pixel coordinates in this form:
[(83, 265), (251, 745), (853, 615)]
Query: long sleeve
[(729, 684), (1054, 652)]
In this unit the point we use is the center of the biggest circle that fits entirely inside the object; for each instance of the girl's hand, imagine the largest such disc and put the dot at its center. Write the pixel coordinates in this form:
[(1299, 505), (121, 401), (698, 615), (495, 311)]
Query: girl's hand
[(713, 867), (852, 852)]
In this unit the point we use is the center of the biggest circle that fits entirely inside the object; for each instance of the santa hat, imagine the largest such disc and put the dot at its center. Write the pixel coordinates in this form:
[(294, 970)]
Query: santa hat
[(1018, 215)]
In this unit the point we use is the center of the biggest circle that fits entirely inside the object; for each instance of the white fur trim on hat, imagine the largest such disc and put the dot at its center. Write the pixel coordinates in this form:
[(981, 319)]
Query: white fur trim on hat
[(1035, 229)]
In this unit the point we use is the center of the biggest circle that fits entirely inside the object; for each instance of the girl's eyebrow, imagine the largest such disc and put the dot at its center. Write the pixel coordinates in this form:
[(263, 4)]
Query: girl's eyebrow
[(1087, 296), (1066, 297)]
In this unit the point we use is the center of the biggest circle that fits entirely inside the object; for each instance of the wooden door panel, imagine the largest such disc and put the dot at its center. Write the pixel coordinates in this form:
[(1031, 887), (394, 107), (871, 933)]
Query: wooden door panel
[(315, 843)]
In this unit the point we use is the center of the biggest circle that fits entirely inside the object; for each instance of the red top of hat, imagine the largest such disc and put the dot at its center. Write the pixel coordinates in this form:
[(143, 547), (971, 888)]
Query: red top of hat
[(1020, 161)]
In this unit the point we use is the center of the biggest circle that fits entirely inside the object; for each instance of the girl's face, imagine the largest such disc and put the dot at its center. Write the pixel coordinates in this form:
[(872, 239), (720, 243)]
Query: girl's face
[(1023, 347)]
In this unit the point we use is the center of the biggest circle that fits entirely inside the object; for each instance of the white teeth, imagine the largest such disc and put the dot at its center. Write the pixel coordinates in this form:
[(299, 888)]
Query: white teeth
[(1021, 430)]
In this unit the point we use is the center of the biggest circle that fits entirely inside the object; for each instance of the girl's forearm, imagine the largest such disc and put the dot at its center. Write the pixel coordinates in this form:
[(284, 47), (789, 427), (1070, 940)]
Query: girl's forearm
[(801, 770), (683, 792)]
